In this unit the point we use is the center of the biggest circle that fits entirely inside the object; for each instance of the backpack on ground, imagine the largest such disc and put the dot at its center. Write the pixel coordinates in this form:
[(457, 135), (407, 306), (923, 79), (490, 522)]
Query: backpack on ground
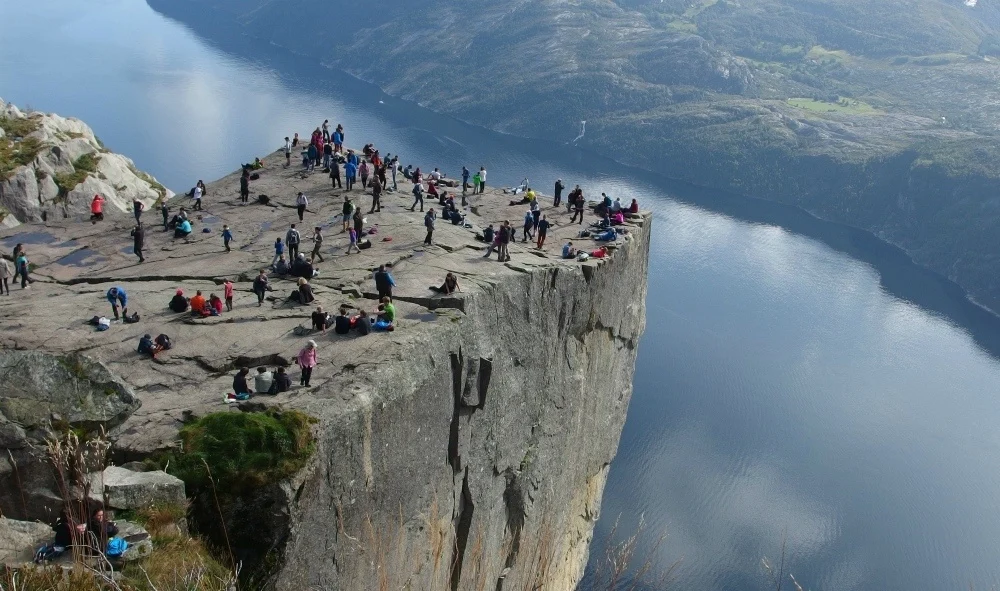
[(131, 319), (365, 245), (263, 199), (255, 176), (116, 548)]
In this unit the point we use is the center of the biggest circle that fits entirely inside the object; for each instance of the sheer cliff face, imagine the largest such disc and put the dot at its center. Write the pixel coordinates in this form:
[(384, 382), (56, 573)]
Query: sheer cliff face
[(478, 455)]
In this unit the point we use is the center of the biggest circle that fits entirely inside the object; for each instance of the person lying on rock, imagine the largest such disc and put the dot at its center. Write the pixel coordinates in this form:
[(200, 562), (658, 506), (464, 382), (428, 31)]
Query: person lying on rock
[(449, 286)]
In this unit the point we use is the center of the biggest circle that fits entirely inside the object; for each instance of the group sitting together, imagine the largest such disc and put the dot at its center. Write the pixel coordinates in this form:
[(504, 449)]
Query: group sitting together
[(265, 382)]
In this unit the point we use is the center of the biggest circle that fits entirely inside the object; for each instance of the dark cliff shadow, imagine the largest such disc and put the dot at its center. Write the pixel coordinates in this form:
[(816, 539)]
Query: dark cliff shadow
[(899, 275)]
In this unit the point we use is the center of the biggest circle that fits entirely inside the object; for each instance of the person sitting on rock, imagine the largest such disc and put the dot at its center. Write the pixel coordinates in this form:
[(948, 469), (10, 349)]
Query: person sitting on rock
[(302, 268), (178, 303), (281, 382), (262, 381), (183, 229), (240, 382), (387, 312), (449, 286), (281, 268), (214, 305), (568, 252), (68, 534), (618, 218), (363, 323), (634, 208), (342, 323), (198, 305), (319, 319), (146, 346), (99, 531), (304, 293)]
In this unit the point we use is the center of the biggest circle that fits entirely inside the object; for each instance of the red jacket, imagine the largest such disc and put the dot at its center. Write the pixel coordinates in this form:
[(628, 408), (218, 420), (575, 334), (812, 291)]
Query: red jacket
[(97, 205)]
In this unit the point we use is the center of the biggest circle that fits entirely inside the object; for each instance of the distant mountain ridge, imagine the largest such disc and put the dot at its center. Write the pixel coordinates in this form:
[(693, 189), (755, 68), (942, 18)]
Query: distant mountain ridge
[(880, 114)]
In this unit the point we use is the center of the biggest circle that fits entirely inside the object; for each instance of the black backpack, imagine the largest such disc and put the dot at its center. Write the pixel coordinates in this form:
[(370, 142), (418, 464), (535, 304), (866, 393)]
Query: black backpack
[(163, 341)]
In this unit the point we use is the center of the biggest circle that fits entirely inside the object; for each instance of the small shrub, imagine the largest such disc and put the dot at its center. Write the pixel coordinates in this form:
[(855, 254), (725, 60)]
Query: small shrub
[(242, 450), (18, 127), (87, 162), (14, 154)]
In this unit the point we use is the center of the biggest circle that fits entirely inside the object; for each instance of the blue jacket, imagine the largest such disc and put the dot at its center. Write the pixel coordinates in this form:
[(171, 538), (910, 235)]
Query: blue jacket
[(353, 159), (351, 169), (118, 295), (338, 138)]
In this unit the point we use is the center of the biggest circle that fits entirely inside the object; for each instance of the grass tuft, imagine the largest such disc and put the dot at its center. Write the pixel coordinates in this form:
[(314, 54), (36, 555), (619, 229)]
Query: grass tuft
[(242, 450)]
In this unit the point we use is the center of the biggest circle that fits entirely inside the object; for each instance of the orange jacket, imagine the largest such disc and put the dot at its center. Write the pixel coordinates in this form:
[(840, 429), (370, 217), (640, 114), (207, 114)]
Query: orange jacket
[(197, 303)]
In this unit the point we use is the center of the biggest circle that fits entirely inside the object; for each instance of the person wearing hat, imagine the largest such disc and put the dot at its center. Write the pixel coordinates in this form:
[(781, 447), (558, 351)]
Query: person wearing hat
[(178, 303)]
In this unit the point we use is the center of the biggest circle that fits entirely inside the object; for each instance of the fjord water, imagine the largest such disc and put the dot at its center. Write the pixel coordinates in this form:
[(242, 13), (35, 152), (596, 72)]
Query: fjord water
[(797, 380)]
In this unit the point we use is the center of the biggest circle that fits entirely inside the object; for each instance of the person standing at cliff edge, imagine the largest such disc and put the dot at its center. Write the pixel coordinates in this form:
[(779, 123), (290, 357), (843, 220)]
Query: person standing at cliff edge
[(306, 359), (482, 179), (558, 193)]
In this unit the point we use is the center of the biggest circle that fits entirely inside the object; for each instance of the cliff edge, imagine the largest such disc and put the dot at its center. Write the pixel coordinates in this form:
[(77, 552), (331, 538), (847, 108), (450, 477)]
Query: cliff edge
[(468, 447)]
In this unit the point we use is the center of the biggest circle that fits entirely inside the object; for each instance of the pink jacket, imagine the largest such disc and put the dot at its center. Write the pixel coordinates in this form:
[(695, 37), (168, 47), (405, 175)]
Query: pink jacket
[(306, 357)]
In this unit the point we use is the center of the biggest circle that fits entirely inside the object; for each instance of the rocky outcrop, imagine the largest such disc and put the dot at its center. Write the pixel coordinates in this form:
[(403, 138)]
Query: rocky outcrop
[(121, 488), (44, 396), (60, 165), (19, 539)]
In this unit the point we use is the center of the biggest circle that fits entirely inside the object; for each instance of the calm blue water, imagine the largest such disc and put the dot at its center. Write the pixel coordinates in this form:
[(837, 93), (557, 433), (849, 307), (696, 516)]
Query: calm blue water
[(797, 380)]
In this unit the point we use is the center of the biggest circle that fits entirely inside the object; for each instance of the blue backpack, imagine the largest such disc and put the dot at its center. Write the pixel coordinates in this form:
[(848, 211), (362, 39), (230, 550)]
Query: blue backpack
[(116, 547)]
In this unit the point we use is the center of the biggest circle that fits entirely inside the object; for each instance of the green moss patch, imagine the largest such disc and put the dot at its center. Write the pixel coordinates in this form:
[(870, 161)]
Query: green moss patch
[(242, 450)]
